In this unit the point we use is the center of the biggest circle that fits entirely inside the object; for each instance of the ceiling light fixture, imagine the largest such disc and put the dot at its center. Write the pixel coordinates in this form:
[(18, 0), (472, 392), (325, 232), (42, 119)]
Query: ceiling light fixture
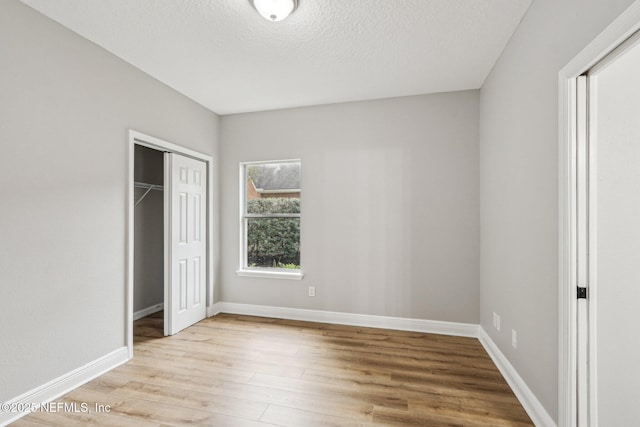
[(274, 10)]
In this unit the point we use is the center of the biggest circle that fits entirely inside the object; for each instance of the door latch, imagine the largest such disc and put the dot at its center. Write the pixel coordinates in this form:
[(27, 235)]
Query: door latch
[(582, 292)]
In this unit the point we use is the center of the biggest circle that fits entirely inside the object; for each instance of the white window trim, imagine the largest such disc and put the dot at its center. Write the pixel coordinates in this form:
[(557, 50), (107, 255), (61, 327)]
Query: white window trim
[(264, 273), (243, 270)]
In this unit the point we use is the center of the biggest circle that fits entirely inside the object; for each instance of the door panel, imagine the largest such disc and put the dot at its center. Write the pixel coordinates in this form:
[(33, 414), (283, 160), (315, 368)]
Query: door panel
[(615, 242), (186, 248)]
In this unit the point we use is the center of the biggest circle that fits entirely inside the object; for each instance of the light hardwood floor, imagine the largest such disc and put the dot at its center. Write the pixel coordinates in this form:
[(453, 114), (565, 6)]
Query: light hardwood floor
[(235, 370)]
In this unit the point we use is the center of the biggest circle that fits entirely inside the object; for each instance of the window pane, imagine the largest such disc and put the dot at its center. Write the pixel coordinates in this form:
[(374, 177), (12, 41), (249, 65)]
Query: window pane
[(273, 188), (273, 242)]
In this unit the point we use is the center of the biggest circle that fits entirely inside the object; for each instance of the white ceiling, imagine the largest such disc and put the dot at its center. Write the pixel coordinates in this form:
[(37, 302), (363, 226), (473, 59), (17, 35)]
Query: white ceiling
[(225, 56)]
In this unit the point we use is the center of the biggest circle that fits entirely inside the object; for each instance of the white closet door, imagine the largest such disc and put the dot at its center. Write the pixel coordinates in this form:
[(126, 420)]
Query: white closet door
[(186, 249), (615, 243)]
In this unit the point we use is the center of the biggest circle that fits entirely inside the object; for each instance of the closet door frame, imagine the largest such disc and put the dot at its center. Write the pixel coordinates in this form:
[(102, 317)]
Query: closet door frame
[(619, 31), (138, 138)]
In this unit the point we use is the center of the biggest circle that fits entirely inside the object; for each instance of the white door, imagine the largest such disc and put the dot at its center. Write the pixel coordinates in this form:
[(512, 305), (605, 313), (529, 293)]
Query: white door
[(186, 242), (611, 391)]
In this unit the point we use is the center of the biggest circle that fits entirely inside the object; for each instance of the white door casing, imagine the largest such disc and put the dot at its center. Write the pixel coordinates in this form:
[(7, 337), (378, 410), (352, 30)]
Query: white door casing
[(619, 32), (186, 242), (608, 239), (582, 246)]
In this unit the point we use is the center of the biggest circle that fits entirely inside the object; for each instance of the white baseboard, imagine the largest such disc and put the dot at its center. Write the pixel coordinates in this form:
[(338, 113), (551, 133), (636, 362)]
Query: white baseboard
[(86, 373), (531, 404), (214, 309), (147, 311), (64, 384), (367, 320)]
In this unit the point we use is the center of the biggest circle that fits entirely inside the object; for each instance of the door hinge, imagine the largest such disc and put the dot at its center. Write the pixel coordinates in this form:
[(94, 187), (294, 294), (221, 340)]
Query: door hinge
[(582, 292)]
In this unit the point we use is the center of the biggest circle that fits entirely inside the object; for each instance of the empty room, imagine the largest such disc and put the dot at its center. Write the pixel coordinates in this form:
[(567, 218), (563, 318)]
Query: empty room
[(319, 213)]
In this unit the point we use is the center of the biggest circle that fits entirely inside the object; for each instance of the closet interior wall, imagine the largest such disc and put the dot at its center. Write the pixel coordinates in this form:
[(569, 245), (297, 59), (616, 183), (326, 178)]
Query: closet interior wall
[(148, 230)]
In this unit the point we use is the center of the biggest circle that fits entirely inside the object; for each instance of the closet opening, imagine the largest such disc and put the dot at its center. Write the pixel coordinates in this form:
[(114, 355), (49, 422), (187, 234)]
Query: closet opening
[(149, 230)]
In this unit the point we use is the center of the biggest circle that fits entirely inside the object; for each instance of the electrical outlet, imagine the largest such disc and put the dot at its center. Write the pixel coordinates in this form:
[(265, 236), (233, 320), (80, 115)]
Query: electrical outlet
[(312, 291), (496, 321), (514, 338)]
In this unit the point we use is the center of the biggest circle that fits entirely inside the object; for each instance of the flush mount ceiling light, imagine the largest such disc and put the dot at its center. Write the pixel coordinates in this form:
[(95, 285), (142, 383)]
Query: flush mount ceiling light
[(274, 10)]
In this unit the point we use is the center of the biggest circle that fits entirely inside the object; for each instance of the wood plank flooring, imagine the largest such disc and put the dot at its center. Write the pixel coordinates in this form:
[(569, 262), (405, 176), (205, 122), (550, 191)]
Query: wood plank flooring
[(235, 370)]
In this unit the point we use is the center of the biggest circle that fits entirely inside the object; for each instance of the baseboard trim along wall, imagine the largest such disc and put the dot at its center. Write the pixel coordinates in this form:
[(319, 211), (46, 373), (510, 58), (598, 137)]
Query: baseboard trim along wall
[(147, 311), (86, 373), (351, 319), (212, 310), (62, 385), (531, 404)]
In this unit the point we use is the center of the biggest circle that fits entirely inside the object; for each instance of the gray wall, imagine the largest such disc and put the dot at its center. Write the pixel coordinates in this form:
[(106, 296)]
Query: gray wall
[(65, 108), (148, 267), (519, 183), (390, 205)]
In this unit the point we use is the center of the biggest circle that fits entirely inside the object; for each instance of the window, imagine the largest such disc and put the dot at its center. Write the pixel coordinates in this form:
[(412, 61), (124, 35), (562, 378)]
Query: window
[(270, 219)]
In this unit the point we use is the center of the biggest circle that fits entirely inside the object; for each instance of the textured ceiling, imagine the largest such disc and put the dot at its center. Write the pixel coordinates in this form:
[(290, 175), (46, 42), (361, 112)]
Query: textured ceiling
[(225, 56)]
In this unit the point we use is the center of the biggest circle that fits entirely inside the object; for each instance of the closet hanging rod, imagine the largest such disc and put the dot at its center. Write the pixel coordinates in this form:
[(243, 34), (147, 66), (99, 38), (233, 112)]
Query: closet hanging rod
[(149, 187)]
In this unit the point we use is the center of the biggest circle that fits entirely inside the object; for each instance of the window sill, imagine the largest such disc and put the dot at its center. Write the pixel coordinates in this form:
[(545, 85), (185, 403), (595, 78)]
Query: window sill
[(290, 275)]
